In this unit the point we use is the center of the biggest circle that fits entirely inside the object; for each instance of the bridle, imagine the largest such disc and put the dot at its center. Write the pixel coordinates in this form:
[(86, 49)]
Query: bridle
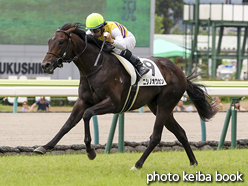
[(61, 59)]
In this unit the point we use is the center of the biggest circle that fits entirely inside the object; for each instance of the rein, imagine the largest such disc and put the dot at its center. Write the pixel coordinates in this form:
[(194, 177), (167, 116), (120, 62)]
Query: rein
[(60, 60)]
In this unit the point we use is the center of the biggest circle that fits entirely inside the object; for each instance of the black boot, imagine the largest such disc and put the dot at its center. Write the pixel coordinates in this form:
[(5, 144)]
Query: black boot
[(135, 61), (140, 67)]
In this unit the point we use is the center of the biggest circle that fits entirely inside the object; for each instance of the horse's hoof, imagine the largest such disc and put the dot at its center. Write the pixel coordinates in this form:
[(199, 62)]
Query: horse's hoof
[(40, 150), (193, 164), (133, 168), (91, 154)]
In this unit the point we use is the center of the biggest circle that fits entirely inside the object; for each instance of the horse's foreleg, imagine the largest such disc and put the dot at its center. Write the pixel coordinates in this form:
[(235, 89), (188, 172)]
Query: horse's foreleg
[(172, 125), (75, 117), (103, 107), (87, 140)]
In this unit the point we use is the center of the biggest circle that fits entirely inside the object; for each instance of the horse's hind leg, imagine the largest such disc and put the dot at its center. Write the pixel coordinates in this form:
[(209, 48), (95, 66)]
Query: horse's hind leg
[(153, 107), (154, 139), (172, 125)]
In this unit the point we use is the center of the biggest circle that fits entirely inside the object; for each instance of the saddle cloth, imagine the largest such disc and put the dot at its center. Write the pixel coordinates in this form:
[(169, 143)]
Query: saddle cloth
[(152, 78)]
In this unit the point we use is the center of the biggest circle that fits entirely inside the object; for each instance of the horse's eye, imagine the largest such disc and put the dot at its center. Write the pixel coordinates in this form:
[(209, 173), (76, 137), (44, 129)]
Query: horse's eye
[(61, 42)]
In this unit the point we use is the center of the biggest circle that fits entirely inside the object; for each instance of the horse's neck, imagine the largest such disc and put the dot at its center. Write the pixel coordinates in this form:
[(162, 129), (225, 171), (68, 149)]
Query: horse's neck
[(86, 60)]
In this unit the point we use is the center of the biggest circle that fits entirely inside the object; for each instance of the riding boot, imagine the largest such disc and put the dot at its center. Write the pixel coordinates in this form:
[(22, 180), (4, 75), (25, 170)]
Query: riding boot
[(135, 61)]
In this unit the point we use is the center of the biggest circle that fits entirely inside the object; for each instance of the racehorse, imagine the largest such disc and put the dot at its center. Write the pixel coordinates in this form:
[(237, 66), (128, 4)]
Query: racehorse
[(103, 89)]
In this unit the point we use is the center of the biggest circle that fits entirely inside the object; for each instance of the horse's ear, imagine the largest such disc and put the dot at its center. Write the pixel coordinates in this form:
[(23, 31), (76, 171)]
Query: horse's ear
[(71, 30)]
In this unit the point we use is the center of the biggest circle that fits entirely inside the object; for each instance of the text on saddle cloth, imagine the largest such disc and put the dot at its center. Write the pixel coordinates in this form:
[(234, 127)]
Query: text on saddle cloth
[(153, 77)]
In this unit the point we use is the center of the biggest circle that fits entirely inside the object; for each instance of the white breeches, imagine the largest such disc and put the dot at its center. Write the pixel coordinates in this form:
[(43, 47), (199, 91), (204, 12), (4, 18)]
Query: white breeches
[(130, 43)]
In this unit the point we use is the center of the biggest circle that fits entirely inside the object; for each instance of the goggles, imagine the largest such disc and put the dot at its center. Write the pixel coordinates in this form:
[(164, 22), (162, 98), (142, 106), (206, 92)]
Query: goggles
[(95, 30)]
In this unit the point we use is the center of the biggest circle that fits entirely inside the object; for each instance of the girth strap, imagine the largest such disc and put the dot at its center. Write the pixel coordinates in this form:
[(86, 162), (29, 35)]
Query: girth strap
[(131, 97)]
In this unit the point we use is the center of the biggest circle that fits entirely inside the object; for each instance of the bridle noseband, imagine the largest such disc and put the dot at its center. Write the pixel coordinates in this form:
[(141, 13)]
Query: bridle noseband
[(60, 60)]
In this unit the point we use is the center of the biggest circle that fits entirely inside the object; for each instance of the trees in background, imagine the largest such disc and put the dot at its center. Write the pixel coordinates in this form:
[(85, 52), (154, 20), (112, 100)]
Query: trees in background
[(168, 13)]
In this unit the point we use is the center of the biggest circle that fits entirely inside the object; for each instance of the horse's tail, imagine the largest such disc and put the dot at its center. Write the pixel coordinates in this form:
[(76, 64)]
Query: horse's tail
[(200, 98)]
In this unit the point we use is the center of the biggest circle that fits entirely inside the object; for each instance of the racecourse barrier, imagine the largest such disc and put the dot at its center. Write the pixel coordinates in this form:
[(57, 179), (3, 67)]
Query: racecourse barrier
[(230, 113), (128, 147), (61, 88)]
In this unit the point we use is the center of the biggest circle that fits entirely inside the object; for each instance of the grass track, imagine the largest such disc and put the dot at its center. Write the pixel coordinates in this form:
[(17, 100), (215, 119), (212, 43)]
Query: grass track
[(113, 169)]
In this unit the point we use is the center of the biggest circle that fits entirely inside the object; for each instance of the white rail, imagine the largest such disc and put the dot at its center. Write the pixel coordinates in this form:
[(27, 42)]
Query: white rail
[(73, 91)]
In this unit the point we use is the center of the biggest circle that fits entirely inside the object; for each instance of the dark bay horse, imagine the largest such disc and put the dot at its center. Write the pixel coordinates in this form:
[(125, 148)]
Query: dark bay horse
[(103, 89)]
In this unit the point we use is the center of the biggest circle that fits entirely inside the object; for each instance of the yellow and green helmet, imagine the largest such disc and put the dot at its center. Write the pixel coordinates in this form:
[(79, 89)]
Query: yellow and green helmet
[(94, 21)]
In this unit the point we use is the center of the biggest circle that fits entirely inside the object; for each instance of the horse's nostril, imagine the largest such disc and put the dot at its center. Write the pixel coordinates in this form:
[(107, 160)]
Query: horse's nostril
[(45, 65)]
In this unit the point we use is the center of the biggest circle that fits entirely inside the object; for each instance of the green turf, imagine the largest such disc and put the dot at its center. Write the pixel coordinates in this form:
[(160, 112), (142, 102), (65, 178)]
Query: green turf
[(6, 108), (113, 169)]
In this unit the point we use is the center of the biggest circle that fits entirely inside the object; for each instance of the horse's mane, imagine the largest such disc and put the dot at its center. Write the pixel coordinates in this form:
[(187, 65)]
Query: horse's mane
[(81, 33), (78, 31)]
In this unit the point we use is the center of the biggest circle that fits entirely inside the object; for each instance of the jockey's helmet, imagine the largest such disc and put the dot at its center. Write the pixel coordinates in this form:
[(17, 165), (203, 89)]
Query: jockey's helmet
[(94, 20)]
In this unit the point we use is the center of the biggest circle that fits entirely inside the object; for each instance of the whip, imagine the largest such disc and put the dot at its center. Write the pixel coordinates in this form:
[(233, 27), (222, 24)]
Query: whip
[(105, 37)]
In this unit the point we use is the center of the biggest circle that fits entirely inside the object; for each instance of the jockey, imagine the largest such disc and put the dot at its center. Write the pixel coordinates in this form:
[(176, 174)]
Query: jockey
[(118, 36)]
